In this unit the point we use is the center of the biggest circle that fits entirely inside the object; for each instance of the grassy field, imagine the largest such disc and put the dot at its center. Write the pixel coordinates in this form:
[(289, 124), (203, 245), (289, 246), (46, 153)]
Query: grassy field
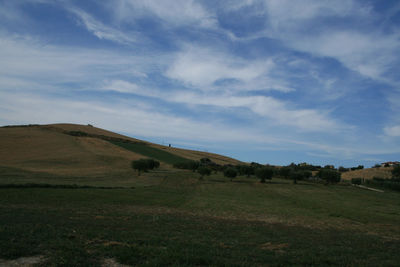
[(176, 219), (75, 201)]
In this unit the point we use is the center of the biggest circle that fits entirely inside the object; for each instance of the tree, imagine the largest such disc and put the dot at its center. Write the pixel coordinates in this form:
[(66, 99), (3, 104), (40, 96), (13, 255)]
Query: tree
[(203, 171), (343, 169), (396, 172), (187, 164), (152, 164), (230, 173), (139, 165), (330, 176), (145, 165), (193, 165), (264, 173), (245, 170), (299, 175), (205, 161), (285, 171)]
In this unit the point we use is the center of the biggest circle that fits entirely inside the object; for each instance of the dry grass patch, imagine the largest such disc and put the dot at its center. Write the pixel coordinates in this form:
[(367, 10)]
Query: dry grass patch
[(369, 173)]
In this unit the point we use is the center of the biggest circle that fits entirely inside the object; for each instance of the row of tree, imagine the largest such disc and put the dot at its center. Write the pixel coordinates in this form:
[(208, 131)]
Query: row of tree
[(205, 167), (295, 172)]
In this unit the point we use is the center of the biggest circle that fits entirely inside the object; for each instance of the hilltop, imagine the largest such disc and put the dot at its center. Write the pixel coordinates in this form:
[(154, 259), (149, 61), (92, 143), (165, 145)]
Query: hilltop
[(84, 150)]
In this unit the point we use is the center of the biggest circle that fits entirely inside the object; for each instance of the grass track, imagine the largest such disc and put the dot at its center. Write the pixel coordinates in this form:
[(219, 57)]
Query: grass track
[(150, 152)]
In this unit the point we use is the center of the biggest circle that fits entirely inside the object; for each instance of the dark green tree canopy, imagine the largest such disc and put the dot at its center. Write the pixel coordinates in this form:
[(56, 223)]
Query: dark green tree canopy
[(202, 170), (230, 173), (330, 176), (145, 165), (265, 173)]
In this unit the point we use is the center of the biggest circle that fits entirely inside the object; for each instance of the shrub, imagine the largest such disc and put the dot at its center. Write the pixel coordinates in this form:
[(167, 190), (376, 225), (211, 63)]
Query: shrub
[(264, 173), (230, 173)]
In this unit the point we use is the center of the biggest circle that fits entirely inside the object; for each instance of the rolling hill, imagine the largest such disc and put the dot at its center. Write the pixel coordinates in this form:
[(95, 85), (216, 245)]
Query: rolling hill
[(84, 150)]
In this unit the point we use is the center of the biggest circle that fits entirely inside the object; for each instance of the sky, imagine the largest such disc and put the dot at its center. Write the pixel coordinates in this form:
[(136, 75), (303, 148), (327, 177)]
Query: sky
[(270, 81)]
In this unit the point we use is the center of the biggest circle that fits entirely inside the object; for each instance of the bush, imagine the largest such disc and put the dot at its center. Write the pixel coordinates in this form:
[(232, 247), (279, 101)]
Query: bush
[(264, 173), (356, 181), (230, 173)]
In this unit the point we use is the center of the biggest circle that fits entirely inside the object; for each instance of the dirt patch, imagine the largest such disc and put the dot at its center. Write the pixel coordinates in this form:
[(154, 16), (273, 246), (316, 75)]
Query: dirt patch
[(23, 261)]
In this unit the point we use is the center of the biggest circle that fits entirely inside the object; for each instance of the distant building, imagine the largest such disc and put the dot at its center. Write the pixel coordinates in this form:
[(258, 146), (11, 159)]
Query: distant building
[(390, 163)]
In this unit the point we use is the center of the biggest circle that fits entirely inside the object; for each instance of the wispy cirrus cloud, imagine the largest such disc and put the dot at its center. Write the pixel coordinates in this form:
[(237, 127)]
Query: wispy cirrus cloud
[(103, 31), (277, 112), (176, 13)]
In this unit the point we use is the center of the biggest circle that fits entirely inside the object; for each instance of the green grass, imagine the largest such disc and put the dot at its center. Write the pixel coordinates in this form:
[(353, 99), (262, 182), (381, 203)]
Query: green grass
[(185, 222), (151, 152)]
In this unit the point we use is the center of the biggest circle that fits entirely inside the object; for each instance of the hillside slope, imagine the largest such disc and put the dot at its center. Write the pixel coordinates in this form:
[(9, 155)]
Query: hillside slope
[(70, 149), (369, 173)]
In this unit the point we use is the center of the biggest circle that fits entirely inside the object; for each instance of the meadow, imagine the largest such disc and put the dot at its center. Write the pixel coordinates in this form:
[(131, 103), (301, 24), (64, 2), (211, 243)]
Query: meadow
[(68, 200), (167, 218)]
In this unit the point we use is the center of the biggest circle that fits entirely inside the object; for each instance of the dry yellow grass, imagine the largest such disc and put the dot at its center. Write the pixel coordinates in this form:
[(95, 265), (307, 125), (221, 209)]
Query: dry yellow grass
[(41, 149), (381, 172), (46, 148)]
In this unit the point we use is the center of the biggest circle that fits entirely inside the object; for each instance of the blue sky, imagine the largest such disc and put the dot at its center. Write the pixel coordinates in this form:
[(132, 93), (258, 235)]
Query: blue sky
[(272, 81)]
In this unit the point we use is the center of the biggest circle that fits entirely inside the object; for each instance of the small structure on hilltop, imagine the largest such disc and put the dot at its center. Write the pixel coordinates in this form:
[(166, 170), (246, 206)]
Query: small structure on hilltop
[(390, 163)]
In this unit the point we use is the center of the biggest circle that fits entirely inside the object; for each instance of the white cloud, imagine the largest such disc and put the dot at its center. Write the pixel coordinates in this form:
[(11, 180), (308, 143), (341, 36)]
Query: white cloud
[(102, 31), (297, 24), (202, 68), (276, 111), (393, 131), (173, 12), (122, 87), (369, 54), (287, 14), (30, 64)]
